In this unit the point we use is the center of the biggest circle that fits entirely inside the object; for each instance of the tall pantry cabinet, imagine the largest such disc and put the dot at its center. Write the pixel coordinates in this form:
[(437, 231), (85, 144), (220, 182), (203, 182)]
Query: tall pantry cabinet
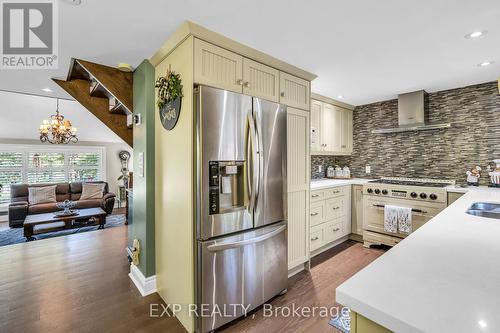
[(220, 68)]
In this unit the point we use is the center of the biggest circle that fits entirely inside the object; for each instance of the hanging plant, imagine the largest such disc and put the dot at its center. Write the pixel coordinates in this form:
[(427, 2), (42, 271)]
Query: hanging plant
[(169, 88), (169, 98)]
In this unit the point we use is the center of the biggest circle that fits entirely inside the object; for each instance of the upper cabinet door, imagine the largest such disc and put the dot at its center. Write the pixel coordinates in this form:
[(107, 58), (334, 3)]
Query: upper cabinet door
[(217, 67), (331, 128), (260, 80), (294, 92), (316, 116), (346, 143)]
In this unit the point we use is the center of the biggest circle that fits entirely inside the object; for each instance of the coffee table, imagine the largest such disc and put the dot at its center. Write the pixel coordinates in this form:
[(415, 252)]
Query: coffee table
[(42, 223)]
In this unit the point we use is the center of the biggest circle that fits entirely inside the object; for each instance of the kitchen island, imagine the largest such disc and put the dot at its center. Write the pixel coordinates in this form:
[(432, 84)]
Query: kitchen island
[(444, 277)]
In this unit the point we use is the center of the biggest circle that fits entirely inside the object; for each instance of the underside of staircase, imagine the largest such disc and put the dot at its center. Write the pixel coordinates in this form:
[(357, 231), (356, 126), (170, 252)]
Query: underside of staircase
[(104, 91)]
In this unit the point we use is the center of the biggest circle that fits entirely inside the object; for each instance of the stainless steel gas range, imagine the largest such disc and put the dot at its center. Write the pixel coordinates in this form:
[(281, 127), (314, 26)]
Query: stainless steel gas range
[(425, 197)]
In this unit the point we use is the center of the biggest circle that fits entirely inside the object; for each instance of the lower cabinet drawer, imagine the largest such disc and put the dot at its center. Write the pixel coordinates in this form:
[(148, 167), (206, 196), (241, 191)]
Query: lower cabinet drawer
[(334, 208), (334, 192), (317, 237), (332, 231), (317, 195), (317, 212)]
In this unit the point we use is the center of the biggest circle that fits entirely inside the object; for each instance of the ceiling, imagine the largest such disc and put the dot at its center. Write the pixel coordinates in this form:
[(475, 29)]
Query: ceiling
[(366, 50), (21, 116)]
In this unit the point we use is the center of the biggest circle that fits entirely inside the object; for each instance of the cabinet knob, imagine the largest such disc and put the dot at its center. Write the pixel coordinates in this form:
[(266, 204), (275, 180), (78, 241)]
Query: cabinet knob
[(240, 82), (336, 229), (282, 94), (247, 84), (315, 238), (315, 195), (314, 214), (344, 146)]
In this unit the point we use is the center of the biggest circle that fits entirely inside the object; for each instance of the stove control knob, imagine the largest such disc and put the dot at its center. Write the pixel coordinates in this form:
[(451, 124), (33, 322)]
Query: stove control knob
[(377, 191), (423, 196), (433, 196), (414, 194), (369, 190), (384, 192)]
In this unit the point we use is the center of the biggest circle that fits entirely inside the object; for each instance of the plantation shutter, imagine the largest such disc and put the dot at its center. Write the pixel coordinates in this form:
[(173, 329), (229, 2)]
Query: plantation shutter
[(11, 172)]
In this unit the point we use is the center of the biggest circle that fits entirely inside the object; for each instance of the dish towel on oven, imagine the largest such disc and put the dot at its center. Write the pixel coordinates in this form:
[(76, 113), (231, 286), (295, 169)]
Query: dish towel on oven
[(397, 218)]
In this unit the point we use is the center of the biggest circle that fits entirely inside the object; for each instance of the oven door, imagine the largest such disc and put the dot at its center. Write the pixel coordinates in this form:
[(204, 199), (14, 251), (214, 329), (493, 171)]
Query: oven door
[(373, 213)]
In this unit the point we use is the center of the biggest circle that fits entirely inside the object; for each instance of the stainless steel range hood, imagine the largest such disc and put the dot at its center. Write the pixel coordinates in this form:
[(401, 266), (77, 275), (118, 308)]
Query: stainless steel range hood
[(412, 114)]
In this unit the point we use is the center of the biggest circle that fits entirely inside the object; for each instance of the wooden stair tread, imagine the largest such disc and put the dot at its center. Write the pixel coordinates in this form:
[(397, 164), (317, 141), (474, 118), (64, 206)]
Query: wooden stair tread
[(79, 89), (113, 81)]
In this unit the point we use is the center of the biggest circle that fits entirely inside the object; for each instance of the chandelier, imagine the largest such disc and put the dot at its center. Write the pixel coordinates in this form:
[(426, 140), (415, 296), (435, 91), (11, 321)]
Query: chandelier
[(56, 130)]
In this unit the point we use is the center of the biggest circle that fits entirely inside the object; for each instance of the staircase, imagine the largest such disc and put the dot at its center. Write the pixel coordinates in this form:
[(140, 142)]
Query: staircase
[(104, 91)]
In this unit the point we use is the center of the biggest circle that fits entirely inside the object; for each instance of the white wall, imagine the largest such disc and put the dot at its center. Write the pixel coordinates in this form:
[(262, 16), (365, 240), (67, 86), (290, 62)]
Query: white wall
[(113, 164)]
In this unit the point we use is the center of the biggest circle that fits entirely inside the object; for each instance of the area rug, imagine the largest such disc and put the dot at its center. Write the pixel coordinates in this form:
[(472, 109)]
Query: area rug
[(16, 235), (342, 322)]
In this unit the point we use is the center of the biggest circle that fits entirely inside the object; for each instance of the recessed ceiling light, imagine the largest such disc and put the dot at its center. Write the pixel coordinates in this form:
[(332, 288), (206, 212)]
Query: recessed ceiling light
[(47, 90), (74, 2), (485, 63), (475, 34), (340, 96), (482, 324)]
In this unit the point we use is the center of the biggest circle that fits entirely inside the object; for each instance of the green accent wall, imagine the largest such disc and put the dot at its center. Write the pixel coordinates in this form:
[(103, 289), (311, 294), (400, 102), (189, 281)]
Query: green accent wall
[(143, 207)]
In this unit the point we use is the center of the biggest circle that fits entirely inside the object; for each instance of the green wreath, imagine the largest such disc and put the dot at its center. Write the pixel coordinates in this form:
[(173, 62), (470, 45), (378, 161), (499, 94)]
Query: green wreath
[(169, 88)]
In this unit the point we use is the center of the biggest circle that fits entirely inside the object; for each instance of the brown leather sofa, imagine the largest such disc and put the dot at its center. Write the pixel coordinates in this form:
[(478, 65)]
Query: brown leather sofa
[(19, 207)]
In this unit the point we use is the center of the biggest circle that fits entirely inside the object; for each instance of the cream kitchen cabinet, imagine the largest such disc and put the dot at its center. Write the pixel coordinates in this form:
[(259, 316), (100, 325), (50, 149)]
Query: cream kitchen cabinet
[(330, 217), (357, 210), (316, 121), (217, 67), (220, 68), (331, 129), (453, 196), (260, 80), (294, 91), (298, 174), (346, 131)]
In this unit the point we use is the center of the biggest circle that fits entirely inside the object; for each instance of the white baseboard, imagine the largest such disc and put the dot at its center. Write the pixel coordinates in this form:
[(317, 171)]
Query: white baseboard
[(146, 286)]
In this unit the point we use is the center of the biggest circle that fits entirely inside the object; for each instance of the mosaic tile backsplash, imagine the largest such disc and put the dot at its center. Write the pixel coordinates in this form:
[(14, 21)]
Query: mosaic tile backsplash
[(473, 139)]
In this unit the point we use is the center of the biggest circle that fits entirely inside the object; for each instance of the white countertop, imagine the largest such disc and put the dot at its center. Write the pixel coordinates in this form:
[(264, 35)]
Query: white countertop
[(318, 184), (459, 189), (444, 277)]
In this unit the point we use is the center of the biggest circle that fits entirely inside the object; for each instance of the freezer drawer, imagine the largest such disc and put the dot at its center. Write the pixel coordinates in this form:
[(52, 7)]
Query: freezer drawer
[(243, 270)]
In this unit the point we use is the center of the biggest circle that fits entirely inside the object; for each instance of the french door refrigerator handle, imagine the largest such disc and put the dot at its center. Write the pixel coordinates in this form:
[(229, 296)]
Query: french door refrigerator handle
[(250, 161), (259, 155), (232, 245)]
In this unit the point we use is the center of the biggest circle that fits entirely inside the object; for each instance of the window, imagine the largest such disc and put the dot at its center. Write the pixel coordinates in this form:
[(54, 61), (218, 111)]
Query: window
[(11, 172), (52, 164), (84, 166)]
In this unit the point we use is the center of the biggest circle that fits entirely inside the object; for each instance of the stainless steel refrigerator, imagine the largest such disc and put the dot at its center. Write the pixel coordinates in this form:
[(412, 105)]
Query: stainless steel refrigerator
[(241, 227)]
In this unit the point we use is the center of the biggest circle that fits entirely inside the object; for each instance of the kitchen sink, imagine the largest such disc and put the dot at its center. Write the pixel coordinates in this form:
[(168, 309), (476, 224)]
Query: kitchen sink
[(485, 209)]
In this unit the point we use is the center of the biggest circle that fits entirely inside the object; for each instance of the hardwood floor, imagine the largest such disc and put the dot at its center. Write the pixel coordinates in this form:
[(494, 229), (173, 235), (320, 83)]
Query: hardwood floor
[(76, 283), (80, 283), (315, 288)]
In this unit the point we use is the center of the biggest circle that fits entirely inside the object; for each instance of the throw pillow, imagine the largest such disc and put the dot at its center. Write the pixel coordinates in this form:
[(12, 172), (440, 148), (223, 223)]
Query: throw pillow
[(92, 191), (44, 194)]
